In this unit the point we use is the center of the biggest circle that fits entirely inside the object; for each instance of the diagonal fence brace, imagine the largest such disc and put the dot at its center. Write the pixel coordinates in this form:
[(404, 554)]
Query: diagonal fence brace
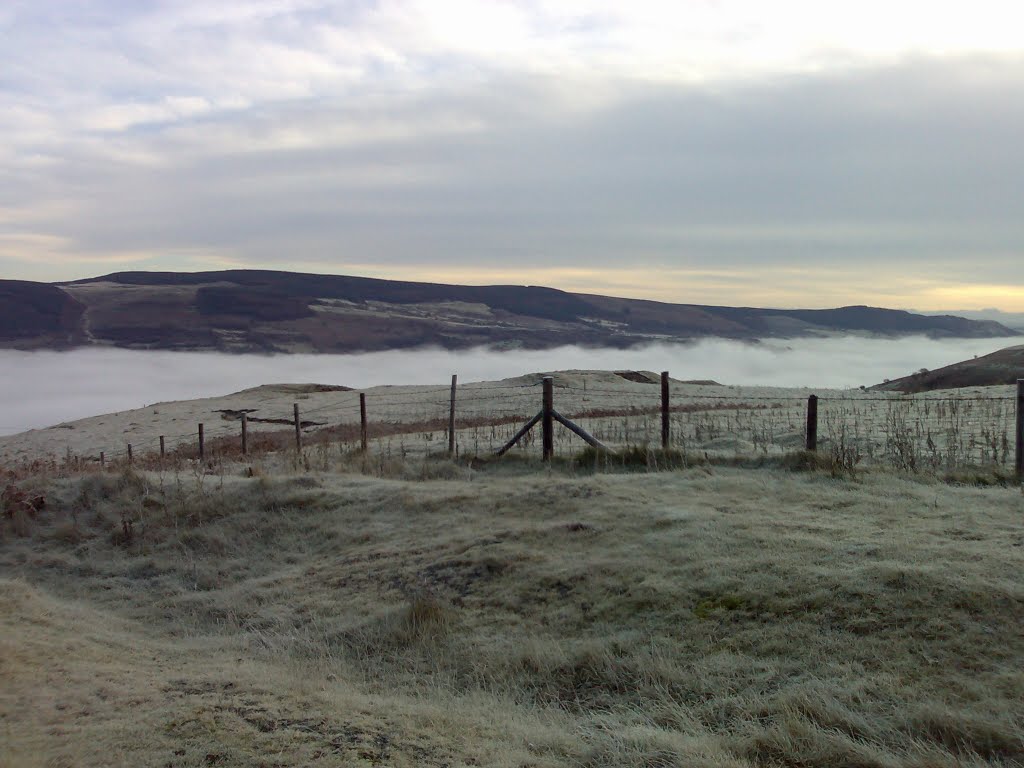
[(520, 434), (578, 431)]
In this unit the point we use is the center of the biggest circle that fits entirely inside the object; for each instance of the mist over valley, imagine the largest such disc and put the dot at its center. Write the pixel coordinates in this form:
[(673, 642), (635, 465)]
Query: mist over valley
[(45, 388)]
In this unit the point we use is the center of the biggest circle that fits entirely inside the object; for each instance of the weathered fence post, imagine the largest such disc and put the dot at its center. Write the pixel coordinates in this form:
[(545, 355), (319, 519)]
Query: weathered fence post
[(103, 460), (298, 428), (547, 420), (363, 435), (245, 434), (163, 448), (451, 418), (1020, 429), (202, 443), (664, 411), (812, 423), (129, 453)]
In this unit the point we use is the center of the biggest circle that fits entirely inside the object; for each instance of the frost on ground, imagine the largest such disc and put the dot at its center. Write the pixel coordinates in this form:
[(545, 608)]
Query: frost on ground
[(512, 617), (948, 430)]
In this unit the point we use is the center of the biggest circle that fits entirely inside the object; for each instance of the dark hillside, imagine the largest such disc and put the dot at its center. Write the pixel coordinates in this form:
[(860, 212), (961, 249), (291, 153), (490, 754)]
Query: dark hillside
[(869, 320), (274, 311), (1002, 367), (531, 301), (37, 314)]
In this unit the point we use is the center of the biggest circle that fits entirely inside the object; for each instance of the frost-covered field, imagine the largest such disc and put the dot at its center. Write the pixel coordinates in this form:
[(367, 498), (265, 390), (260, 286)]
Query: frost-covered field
[(939, 430), (44, 388), (443, 616)]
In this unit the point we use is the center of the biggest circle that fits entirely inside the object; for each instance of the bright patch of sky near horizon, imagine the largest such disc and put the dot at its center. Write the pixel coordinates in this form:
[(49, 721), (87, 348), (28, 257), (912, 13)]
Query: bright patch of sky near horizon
[(46, 388), (776, 154)]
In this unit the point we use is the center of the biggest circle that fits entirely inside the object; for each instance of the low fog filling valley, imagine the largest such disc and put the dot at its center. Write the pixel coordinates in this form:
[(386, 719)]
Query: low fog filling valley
[(47, 388)]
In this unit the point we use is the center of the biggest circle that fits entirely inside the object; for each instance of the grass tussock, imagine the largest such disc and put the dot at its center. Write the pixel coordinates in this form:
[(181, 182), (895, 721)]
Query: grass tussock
[(708, 616), (634, 458)]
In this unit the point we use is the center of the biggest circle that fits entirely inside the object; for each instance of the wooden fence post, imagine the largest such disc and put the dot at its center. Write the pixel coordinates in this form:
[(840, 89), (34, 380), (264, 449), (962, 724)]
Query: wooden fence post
[(129, 453), (812, 423), (103, 460), (664, 411), (363, 435), (547, 420), (451, 418), (202, 443), (1020, 429), (163, 447), (245, 434), (298, 429)]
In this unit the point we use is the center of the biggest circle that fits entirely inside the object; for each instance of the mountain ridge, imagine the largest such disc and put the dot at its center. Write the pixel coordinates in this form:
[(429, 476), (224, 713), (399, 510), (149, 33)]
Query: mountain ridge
[(279, 311)]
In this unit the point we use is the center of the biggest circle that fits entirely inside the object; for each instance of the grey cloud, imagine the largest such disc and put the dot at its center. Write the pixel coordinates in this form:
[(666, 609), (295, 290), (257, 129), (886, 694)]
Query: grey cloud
[(885, 150), (917, 163)]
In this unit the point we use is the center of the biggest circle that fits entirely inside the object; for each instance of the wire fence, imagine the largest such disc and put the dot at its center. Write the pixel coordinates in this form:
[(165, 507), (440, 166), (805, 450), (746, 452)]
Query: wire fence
[(933, 431)]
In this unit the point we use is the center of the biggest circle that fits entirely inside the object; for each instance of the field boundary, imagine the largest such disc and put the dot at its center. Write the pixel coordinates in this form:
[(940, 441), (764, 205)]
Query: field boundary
[(909, 432)]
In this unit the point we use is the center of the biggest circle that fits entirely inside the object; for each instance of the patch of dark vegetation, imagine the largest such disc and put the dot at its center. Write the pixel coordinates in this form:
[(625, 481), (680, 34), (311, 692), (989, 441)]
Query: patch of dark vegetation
[(158, 337), (636, 376), (725, 602), (578, 527), (229, 415), (806, 461), (634, 458), (36, 311), (253, 304), (982, 476), (458, 576)]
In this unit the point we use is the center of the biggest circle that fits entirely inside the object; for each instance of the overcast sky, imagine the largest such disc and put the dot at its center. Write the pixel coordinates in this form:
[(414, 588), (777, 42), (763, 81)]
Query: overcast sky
[(776, 154)]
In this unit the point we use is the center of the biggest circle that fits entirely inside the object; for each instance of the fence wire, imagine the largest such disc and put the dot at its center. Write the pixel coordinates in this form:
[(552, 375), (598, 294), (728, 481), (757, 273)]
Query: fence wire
[(917, 433), (909, 432)]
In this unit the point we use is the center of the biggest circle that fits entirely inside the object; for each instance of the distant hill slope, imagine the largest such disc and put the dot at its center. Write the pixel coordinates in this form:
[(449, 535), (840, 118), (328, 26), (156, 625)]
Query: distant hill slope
[(268, 311), (1004, 366), (37, 315), (1014, 320)]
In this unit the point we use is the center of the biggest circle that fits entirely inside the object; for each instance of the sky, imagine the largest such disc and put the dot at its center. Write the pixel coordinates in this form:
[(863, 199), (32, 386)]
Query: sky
[(782, 154)]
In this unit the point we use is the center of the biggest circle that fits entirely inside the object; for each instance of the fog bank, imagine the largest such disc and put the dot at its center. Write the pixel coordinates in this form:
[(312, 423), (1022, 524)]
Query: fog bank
[(45, 388)]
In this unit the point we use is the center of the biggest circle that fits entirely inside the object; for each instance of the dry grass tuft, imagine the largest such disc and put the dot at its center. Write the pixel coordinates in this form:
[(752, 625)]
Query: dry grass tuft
[(426, 616)]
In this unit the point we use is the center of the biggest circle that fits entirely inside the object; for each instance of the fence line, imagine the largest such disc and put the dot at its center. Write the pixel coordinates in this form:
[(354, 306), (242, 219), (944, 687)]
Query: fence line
[(910, 432)]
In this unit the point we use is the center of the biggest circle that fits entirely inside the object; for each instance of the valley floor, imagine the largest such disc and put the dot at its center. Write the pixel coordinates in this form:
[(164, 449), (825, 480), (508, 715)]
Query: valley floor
[(513, 616)]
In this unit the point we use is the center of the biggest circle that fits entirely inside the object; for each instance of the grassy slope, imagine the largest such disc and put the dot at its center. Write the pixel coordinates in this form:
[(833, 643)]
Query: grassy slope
[(717, 617), (1004, 366)]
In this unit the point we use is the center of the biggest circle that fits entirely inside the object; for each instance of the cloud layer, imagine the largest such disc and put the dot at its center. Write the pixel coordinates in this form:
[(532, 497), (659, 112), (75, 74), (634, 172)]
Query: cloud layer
[(814, 156)]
